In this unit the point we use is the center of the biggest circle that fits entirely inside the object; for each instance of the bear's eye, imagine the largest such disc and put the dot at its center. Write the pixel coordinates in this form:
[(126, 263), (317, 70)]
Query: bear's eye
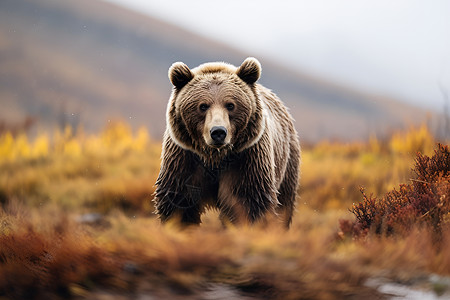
[(203, 107), (229, 106)]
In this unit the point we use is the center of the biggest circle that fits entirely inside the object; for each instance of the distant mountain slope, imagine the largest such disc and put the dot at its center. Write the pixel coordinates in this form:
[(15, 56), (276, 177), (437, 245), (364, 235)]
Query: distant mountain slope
[(86, 62)]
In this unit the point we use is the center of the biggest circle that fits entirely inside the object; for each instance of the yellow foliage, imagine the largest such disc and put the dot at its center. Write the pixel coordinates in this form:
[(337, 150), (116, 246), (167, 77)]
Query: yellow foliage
[(413, 141), (12, 148), (116, 139), (22, 147), (332, 172), (72, 148), (6, 146), (93, 145), (374, 145), (141, 140), (61, 138), (368, 158), (117, 134), (40, 147)]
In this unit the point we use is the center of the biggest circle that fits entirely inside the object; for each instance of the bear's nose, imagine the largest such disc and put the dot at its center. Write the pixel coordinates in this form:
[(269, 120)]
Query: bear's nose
[(218, 134)]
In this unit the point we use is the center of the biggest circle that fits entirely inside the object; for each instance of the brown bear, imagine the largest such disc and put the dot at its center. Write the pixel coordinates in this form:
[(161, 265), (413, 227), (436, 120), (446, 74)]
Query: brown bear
[(230, 144)]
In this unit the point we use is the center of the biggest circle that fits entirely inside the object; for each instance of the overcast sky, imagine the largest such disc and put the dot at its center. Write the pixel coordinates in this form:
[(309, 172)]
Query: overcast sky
[(398, 48)]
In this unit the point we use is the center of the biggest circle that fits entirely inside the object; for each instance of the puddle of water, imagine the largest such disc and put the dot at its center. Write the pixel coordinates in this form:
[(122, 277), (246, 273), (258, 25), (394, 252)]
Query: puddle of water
[(395, 291)]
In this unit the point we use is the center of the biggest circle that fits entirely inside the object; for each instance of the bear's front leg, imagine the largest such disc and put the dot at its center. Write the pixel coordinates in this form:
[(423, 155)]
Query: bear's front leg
[(177, 194), (247, 191)]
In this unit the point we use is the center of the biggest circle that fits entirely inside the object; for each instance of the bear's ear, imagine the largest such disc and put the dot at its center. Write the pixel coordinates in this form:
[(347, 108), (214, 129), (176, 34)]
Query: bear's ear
[(250, 70), (180, 74)]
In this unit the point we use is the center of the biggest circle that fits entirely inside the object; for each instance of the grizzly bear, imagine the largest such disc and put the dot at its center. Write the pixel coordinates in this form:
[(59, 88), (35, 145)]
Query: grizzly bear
[(230, 144)]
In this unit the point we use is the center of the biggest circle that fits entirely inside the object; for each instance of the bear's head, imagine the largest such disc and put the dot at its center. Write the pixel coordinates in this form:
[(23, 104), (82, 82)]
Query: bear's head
[(215, 108)]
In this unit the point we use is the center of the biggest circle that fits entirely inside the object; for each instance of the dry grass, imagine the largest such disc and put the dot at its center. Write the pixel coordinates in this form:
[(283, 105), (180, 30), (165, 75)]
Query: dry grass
[(115, 169), (48, 250), (60, 258)]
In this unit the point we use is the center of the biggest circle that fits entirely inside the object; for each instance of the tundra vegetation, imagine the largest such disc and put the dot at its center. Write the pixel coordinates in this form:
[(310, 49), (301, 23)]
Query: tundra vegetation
[(76, 221)]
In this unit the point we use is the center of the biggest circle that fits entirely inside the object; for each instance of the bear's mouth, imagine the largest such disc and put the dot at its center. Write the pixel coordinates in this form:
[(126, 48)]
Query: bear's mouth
[(217, 145), (210, 143)]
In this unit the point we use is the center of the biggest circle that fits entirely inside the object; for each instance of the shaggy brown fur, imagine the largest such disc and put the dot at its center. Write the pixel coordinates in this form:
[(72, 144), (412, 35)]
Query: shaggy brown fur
[(249, 170)]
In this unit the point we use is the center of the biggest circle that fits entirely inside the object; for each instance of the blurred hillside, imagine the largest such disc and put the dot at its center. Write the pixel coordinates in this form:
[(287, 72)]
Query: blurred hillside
[(87, 62)]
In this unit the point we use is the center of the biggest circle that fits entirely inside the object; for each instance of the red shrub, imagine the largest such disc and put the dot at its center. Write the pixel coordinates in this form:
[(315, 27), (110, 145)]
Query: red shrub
[(424, 201)]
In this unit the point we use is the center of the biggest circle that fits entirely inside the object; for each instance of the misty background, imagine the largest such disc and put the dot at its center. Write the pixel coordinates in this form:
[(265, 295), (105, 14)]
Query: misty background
[(398, 48)]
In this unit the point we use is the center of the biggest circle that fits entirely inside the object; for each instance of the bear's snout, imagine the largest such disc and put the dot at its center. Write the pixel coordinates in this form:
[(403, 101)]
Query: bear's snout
[(218, 134)]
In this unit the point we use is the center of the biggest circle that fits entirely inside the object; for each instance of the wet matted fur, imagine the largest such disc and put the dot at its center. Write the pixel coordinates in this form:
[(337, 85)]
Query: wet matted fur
[(251, 171)]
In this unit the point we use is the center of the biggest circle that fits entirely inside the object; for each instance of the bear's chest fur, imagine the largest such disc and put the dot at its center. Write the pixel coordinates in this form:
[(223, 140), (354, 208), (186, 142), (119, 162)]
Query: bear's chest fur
[(202, 184)]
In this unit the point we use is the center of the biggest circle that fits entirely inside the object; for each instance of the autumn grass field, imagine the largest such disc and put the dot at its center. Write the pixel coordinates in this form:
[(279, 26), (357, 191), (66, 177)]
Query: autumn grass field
[(76, 221)]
